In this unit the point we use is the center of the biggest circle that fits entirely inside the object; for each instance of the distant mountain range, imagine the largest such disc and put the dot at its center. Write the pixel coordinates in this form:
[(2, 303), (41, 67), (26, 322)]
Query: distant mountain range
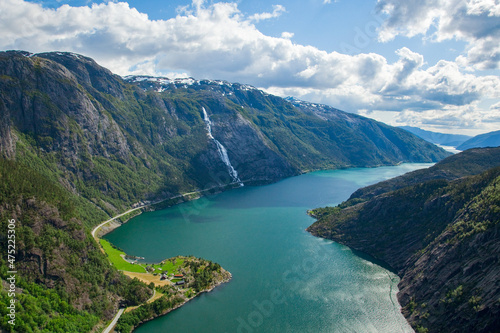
[(491, 139), (438, 228), (79, 144), (451, 140), (458, 141)]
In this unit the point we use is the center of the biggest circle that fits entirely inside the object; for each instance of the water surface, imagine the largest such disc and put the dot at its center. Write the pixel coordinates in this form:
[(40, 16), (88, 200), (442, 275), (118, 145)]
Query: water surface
[(284, 279)]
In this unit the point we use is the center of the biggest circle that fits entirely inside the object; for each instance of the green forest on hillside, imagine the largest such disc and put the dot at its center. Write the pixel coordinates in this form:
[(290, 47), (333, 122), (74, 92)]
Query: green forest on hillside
[(49, 228)]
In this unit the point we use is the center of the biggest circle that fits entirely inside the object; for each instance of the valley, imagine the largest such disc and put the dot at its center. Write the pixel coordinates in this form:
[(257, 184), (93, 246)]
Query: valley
[(80, 145)]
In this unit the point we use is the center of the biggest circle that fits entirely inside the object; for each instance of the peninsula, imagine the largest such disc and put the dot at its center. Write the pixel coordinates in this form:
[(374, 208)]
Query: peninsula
[(174, 281)]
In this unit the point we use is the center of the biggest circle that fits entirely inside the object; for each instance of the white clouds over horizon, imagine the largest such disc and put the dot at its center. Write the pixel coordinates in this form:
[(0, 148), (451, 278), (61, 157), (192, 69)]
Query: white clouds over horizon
[(475, 21), (218, 41)]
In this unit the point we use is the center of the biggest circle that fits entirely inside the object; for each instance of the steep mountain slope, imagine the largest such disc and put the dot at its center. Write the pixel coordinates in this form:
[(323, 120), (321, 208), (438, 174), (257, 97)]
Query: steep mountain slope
[(491, 139), (452, 140), (78, 144), (63, 282), (441, 237), (309, 136), (82, 123)]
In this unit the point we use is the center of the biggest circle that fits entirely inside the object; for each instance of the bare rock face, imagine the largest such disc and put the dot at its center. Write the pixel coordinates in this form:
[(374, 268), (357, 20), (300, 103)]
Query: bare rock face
[(7, 137), (45, 100), (242, 139), (454, 285)]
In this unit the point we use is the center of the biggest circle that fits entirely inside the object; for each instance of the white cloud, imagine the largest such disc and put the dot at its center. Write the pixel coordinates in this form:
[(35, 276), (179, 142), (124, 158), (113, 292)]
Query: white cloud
[(277, 11), (469, 119), (495, 107), (477, 7), (217, 41), (368, 81), (287, 35), (475, 21)]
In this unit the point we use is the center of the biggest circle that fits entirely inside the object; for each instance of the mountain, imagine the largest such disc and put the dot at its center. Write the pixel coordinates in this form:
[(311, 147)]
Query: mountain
[(79, 144), (309, 136), (491, 139), (438, 229), (451, 140), (86, 123)]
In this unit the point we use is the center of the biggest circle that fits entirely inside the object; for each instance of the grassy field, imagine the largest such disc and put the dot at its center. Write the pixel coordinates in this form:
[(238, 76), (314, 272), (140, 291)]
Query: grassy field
[(168, 265), (114, 256)]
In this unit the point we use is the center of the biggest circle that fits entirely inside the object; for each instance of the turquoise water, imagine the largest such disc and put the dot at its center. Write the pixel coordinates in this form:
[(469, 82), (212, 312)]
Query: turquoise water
[(284, 279)]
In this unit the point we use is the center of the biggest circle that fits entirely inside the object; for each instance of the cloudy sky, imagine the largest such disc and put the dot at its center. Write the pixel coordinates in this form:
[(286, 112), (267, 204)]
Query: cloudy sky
[(433, 64)]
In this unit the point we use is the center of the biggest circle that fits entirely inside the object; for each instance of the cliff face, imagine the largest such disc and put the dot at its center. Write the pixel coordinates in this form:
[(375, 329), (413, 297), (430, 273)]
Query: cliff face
[(452, 284), (309, 136), (440, 235)]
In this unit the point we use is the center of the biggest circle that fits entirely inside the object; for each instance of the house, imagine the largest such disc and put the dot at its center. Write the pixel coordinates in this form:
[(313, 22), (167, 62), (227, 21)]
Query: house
[(180, 283), (178, 276)]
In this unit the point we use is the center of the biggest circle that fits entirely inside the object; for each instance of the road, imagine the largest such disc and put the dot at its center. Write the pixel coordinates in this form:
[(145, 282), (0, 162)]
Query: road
[(115, 320), (136, 208), (114, 218)]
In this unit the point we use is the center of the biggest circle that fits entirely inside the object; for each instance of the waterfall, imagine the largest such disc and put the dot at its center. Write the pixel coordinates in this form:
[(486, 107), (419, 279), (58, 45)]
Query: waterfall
[(221, 149)]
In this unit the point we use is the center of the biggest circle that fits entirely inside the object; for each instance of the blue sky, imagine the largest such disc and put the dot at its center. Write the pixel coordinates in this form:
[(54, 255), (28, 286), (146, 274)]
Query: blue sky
[(431, 64)]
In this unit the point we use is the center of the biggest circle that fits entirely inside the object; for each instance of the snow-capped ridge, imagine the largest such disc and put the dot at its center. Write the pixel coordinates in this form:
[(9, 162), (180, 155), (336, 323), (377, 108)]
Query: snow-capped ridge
[(182, 82)]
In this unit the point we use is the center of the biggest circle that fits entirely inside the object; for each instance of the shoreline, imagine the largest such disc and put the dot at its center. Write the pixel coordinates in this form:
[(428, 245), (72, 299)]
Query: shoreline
[(103, 229), (187, 300), (224, 276), (181, 198), (97, 233)]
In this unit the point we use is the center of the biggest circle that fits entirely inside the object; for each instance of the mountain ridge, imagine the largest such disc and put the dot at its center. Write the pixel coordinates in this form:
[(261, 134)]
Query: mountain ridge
[(452, 140), (491, 139)]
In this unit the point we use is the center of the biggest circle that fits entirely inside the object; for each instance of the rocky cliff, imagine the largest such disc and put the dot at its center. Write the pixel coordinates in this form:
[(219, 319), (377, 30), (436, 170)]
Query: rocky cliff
[(438, 228)]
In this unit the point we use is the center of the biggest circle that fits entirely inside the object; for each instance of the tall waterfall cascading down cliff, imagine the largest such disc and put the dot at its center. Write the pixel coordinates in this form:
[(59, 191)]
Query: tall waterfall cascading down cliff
[(221, 149)]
